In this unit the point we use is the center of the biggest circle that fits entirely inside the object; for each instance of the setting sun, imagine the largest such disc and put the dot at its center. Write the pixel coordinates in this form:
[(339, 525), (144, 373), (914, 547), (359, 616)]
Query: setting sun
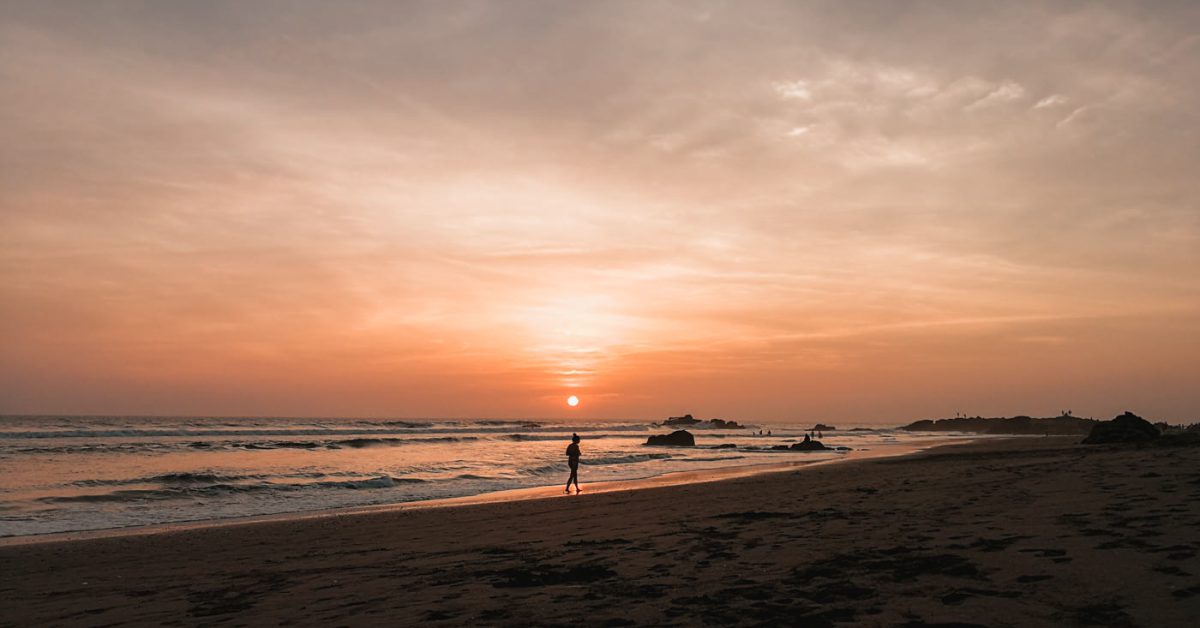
[(889, 310)]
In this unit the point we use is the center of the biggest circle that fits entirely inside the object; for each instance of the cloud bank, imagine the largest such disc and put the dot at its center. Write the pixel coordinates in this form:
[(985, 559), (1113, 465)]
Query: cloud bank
[(760, 210)]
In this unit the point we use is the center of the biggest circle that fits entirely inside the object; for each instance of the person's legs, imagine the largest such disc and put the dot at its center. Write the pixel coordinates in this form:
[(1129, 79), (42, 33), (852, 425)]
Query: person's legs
[(573, 478)]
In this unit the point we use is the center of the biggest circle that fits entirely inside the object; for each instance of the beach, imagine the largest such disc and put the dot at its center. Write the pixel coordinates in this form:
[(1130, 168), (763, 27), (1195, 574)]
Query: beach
[(74, 474), (1013, 532)]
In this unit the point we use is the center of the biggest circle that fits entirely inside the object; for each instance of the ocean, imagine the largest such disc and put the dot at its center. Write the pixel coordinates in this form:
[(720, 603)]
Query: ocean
[(68, 474)]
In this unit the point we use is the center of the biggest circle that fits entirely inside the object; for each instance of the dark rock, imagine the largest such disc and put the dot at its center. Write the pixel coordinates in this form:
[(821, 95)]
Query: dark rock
[(809, 445), (1059, 425), (821, 427), (780, 447), (1126, 428), (686, 419), (678, 438), (726, 446)]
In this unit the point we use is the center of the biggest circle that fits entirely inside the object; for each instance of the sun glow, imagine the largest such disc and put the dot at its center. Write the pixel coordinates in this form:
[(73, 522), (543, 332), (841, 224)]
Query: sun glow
[(572, 401)]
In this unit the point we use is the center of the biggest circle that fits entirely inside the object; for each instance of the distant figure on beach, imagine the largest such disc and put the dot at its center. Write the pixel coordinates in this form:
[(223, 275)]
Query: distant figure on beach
[(573, 462)]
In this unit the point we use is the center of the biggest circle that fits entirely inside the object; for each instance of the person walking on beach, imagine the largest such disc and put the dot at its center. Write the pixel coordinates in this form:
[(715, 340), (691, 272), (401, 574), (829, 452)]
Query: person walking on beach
[(573, 462)]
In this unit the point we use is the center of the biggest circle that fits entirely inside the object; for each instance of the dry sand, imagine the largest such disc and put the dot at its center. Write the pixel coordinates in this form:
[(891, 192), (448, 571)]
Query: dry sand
[(1023, 532)]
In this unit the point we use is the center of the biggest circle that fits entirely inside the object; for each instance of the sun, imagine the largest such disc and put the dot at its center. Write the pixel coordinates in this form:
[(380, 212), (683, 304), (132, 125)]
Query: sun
[(572, 401)]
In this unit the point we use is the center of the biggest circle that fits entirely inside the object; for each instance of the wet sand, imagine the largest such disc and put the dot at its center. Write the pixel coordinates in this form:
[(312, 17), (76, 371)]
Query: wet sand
[(783, 462), (1005, 533)]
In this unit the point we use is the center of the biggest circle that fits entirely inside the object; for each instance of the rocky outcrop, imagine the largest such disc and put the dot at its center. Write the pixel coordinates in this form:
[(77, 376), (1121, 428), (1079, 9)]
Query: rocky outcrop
[(809, 445), (1126, 428), (1061, 425), (678, 438), (821, 427), (688, 420)]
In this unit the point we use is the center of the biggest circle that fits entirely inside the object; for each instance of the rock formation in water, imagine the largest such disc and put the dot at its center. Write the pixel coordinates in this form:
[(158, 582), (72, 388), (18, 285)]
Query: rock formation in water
[(678, 438), (686, 419), (715, 424), (809, 445)]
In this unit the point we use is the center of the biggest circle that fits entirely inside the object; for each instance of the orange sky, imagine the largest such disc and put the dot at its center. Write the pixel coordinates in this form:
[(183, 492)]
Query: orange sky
[(754, 210)]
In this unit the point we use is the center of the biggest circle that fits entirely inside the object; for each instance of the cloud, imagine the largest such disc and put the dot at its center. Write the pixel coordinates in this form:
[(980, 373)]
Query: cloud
[(793, 90), (1076, 114), (396, 209), (1053, 100), (1005, 92)]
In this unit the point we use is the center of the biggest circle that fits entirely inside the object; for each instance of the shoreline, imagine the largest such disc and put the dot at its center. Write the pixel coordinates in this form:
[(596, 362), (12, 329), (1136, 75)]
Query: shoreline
[(675, 478), (1006, 532)]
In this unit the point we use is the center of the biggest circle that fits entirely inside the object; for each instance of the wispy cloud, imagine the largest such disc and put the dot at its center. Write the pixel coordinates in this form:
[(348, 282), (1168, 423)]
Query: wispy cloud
[(1053, 100)]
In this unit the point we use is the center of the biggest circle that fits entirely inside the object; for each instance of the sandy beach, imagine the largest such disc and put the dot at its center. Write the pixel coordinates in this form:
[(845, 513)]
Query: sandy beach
[(1020, 532)]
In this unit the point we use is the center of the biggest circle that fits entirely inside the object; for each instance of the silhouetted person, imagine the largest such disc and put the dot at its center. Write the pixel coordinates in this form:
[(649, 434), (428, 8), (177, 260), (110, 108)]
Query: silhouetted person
[(573, 462), (806, 438)]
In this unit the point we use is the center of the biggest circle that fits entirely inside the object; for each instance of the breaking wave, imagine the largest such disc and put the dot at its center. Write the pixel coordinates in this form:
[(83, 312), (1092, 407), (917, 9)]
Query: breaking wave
[(193, 485)]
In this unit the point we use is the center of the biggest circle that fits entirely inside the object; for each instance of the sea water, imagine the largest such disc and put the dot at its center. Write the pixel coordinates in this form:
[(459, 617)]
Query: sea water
[(66, 474)]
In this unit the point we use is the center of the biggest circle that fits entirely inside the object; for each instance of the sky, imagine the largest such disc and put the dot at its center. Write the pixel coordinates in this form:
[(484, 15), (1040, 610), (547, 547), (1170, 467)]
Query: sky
[(773, 211)]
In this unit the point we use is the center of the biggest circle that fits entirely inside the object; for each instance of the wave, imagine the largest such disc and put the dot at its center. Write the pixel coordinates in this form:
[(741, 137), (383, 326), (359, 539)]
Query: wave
[(407, 424), (128, 495), (551, 469), (192, 433), (283, 444), (139, 448), (562, 436), (501, 423), (472, 476), (171, 478), (191, 485), (383, 481), (358, 443), (520, 437), (629, 459), (133, 447)]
